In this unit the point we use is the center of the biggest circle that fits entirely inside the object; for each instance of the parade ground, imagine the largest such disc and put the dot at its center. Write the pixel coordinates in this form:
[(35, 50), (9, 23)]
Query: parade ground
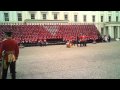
[(96, 61)]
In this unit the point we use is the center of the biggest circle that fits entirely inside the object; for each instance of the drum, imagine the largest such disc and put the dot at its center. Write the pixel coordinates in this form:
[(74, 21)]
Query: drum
[(68, 45)]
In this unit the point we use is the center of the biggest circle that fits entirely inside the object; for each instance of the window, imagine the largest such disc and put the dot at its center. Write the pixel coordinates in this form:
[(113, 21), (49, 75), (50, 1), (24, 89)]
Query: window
[(101, 18), (66, 17), (6, 16), (109, 18), (55, 16), (32, 16), (116, 18), (19, 16), (84, 18), (93, 18), (75, 18), (44, 16)]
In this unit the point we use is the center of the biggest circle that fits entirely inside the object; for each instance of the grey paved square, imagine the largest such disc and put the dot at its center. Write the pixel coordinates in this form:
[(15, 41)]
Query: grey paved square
[(96, 61)]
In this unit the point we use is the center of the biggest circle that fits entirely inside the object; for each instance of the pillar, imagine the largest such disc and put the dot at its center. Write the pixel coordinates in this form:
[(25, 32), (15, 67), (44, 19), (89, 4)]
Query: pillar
[(118, 32), (111, 31)]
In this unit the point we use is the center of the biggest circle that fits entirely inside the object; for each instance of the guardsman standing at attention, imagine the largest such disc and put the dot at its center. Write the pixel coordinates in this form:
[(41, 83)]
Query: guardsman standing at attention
[(10, 52), (0, 61)]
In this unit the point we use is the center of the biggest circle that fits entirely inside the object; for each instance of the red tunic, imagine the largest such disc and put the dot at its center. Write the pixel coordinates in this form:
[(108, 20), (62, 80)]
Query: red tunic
[(83, 38), (10, 45), (0, 52)]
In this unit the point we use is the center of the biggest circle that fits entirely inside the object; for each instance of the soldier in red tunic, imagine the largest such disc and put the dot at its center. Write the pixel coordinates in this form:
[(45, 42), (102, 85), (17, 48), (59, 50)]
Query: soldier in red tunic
[(84, 37), (0, 61), (10, 52), (0, 52), (83, 40)]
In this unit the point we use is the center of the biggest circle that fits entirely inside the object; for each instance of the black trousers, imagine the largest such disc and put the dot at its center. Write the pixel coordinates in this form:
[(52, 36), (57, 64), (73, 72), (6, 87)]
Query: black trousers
[(81, 44), (0, 70), (12, 70), (15, 69), (77, 43), (84, 43)]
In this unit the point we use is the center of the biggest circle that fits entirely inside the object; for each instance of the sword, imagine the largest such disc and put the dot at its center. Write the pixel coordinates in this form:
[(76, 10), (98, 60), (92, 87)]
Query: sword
[(3, 61), (1, 66)]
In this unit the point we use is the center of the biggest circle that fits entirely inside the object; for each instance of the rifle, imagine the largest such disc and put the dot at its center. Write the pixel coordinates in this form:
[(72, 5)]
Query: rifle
[(4, 65)]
